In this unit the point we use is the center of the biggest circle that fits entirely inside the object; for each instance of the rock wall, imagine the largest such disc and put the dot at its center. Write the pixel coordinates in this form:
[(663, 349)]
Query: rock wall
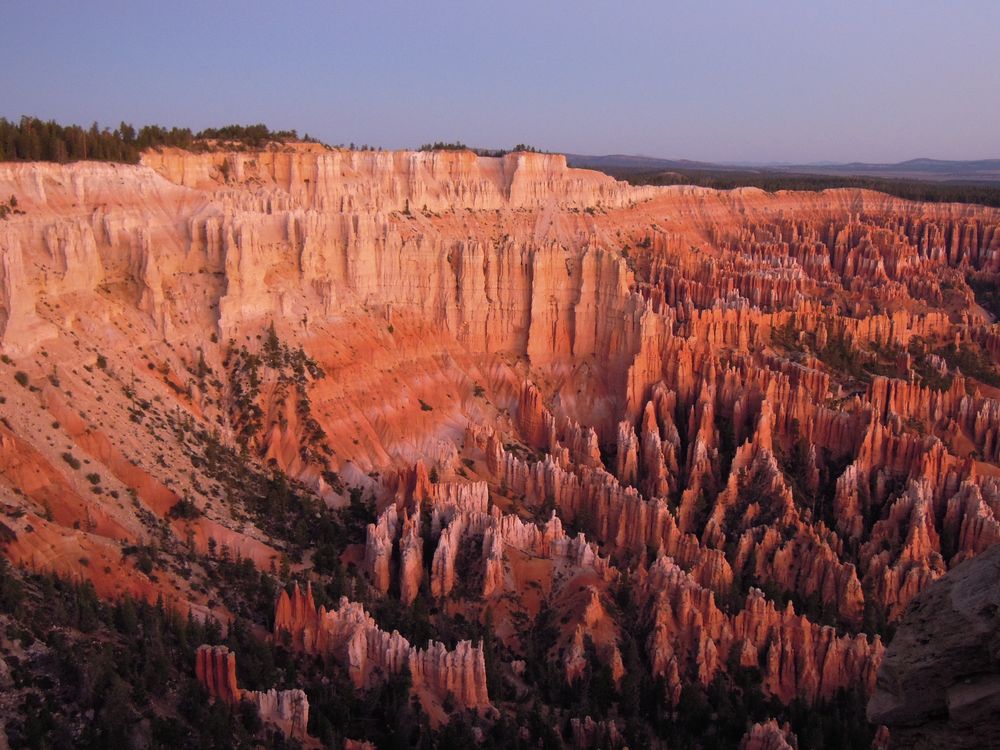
[(341, 181)]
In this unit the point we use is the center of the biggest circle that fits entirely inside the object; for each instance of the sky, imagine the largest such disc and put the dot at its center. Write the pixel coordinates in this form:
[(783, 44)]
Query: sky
[(751, 81)]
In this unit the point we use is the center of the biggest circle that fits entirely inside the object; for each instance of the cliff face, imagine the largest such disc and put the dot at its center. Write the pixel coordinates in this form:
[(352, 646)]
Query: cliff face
[(346, 228), (368, 182), (772, 418)]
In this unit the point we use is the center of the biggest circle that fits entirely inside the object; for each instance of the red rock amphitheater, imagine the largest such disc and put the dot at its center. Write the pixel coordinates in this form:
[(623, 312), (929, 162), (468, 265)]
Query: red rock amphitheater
[(691, 436)]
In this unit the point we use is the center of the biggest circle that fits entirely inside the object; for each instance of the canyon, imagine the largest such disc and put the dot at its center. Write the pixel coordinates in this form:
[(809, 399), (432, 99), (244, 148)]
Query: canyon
[(497, 429)]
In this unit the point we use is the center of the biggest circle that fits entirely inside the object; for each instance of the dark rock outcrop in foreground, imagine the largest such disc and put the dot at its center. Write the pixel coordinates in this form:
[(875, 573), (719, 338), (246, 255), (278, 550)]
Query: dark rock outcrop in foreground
[(939, 686)]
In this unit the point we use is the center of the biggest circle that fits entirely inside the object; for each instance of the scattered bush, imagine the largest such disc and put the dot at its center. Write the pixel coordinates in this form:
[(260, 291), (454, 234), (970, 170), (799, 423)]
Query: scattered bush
[(185, 509), (972, 362), (444, 146), (144, 562)]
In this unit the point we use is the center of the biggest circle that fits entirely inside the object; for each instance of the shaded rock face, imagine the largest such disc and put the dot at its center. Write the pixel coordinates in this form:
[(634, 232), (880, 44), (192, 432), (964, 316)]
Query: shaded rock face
[(939, 685), (769, 735), (588, 733)]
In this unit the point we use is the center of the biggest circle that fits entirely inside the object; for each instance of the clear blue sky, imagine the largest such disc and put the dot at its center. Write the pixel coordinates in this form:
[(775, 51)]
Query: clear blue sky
[(757, 80)]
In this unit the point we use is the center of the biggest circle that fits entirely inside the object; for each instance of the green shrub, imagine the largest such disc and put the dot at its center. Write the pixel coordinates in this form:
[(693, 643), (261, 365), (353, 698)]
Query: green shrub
[(144, 562), (972, 362)]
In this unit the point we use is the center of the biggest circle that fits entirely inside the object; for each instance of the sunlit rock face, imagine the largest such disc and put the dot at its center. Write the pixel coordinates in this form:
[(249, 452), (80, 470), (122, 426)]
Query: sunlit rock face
[(772, 418)]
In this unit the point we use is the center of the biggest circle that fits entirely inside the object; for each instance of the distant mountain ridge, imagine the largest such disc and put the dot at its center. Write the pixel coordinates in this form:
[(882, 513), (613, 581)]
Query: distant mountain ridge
[(979, 170)]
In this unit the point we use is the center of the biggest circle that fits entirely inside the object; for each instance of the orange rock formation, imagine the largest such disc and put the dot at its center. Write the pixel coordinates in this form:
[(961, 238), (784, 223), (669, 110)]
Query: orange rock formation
[(288, 710), (549, 382)]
